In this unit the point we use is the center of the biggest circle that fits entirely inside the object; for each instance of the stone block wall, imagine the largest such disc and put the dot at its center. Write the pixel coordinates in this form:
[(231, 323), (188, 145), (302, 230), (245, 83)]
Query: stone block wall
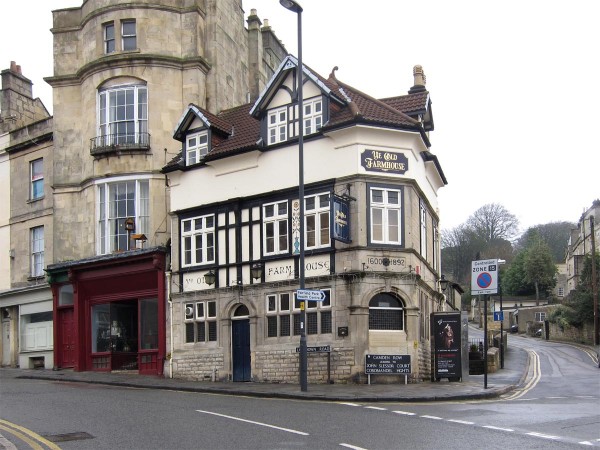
[(195, 368)]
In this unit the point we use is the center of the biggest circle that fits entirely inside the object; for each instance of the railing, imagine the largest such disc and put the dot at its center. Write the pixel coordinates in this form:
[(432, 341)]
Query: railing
[(113, 143)]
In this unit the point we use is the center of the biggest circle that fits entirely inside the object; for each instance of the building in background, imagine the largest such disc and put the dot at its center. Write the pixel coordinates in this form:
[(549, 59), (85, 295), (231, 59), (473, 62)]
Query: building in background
[(371, 232), (26, 221), (580, 244)]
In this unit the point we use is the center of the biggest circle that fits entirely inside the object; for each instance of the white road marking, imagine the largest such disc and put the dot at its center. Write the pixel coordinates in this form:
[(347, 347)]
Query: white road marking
[(464, 422), (254, 423), (431, 417), (545, 436), (377, 408), (491, 427), (353, 447), (586, 443), (349, 404), (556, 397), (405, 413)]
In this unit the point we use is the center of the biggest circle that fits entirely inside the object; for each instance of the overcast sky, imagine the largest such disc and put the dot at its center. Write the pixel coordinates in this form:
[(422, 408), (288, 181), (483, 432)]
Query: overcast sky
[(515, 86)]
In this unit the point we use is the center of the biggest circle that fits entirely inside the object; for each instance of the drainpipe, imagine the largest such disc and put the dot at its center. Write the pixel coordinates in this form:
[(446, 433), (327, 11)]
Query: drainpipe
[(168, 274)]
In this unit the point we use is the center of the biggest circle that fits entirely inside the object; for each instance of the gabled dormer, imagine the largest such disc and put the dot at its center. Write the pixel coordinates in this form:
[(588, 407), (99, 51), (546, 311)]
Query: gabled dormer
[(199, 131), (277, 106)]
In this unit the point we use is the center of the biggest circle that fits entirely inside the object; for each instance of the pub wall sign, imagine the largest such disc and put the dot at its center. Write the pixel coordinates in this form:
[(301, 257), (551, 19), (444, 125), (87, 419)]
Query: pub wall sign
[(381, 161)]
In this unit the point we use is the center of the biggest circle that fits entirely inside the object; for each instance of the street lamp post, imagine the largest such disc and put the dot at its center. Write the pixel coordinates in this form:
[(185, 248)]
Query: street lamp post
[(293, 6)]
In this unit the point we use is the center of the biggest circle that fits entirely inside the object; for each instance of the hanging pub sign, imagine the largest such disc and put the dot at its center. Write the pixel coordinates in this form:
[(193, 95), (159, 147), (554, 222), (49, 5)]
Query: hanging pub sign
[(340, 219), (380, 161), (446, 328)]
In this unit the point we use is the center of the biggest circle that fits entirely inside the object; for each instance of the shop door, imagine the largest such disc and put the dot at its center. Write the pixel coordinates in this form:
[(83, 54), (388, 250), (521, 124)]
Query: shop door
[(67, 346), (240, 335)]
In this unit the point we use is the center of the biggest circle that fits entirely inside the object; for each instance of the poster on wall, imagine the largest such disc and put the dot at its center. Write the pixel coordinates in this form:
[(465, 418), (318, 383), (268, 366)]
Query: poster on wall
[(446, 329)]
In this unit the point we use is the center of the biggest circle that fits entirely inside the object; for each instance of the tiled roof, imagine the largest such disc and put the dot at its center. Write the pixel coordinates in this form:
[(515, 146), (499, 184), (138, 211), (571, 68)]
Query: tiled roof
[(348, 106)]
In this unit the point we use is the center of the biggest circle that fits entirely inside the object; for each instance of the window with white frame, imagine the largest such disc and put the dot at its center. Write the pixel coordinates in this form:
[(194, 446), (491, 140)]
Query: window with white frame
[(36, 331), (109, 37), (277, 125), (316, 213), (386, 210), (198, 240), (37, 251), (561, 291), (386, 313), (312, 116), (36, 173), (200, 321), (123, 115), (275, 228), (128, 35), (423, 223), (196, 147), (540, 316), (118, 201), (436, 246), (283, 315)]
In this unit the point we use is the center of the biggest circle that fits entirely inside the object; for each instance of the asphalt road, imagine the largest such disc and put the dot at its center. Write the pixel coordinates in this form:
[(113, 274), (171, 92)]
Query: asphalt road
[(556, 408)]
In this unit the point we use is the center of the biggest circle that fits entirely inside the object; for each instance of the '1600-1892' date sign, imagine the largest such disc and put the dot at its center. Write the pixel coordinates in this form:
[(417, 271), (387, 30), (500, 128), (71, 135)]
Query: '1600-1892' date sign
[(379, 161)]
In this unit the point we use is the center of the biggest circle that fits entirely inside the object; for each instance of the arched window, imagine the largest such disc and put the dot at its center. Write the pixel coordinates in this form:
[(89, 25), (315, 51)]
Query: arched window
[(386, 312), (241, 311)]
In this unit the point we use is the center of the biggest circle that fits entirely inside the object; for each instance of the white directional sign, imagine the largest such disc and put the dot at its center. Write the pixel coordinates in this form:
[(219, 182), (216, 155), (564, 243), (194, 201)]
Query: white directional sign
[(484, 277), (310, 295)]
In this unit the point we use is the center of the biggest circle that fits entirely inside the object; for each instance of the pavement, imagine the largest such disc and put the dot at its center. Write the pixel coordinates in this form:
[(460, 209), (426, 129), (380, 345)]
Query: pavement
[(516, 365)]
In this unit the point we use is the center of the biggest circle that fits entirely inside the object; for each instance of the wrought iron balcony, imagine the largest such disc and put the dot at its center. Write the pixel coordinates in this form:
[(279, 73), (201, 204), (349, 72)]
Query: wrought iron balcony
[(117, 143)]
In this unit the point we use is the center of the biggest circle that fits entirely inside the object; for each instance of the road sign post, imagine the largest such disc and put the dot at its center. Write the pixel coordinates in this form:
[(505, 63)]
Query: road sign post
[(309, 295)]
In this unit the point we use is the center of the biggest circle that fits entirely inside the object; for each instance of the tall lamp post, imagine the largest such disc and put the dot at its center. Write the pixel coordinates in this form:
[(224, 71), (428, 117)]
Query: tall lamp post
[(294, 6)]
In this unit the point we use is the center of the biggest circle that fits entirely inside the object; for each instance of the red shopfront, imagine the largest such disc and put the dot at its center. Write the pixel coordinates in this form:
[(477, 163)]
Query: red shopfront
[(109, 312)]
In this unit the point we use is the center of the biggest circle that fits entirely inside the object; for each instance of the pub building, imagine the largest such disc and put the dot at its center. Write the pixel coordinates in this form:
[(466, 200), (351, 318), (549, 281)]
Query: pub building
[(371, 233)]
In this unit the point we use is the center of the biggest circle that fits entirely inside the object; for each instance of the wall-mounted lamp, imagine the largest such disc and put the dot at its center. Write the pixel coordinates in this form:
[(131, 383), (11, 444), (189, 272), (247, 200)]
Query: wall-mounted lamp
[(210, 278), (256, 271), (444, 283)]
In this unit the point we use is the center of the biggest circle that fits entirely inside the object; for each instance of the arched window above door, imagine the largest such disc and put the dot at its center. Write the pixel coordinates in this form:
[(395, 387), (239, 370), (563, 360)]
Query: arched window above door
[(386, 312), (241, 311)]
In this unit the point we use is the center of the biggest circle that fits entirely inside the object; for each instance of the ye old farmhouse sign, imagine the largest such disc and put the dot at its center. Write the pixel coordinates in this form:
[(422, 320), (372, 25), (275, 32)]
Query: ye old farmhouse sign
[(379, 161)]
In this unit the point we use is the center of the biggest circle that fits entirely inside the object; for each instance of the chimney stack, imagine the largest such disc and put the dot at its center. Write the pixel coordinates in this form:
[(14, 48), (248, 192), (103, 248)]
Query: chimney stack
[(420, 80)]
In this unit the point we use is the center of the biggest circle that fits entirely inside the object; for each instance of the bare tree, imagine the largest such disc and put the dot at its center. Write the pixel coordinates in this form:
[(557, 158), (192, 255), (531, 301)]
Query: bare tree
[(492, 222)]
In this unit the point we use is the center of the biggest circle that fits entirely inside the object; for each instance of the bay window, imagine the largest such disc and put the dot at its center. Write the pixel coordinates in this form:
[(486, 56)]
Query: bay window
[(123, 115), (386, 213)]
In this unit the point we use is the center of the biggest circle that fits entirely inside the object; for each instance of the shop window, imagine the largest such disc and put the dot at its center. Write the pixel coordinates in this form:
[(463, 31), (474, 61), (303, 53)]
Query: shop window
[(149, 324), (65, 295), (386, 313), (36, 331)]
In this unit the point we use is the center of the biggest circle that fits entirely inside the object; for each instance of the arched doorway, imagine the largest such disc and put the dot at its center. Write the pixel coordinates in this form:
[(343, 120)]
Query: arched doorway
[(240, 344)]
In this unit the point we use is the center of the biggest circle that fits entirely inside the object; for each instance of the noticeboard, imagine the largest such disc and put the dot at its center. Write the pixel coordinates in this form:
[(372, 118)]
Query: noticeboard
[(387, 364), (446, 328)]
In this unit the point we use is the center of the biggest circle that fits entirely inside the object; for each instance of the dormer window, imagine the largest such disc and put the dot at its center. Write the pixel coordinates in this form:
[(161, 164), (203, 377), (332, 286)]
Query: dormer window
[(313, 116), (278, 125), (196, 147)]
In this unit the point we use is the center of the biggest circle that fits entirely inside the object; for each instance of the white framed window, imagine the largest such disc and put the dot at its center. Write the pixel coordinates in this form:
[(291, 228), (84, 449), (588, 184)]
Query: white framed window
[(109, 37), (312, 116), (36, 174), (423, 224), (128, 35), (283, 315), (123, 115), (275, 228), (540, 316), (196, 147), (436, 246), (277, 125), (200, 321), (198, 240), (316, 220), (37, 251), (386, 213), (36, 331), (118, 201)]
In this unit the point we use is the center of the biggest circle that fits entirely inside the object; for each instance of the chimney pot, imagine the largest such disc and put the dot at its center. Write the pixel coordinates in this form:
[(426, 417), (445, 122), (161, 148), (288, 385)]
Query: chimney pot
[(419, 76)]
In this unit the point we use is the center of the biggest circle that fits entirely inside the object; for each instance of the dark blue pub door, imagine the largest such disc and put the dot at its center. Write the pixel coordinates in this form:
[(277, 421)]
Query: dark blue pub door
[(241, 350)]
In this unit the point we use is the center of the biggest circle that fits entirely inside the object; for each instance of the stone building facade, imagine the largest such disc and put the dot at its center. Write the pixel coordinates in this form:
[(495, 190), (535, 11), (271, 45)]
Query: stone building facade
[(27, 221), (371, 233)]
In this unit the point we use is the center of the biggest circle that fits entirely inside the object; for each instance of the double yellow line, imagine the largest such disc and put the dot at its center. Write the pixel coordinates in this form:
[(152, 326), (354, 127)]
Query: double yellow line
[(34, 440), (534, 375)]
